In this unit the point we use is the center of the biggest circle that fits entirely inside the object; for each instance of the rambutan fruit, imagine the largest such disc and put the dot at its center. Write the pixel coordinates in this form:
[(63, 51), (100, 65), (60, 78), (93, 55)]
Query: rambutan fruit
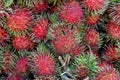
[(41, 29), (113, 30), (95, 5), (71, 12), (3, 35), (92, 19), (22, 65), (114, 14), (64, 40), (14, 77), (44, 65), (106, 72), (19, 21), (86, 65), (22, 43), (111, 54), (91, 37), (40, 6)]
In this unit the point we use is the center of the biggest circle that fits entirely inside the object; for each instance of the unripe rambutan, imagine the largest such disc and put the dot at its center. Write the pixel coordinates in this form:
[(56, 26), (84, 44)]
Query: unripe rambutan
[(21, 66), (41, 29), (113, 30), (64, 40), (3, 35), (95, 5), (44, 65), (22, 43), (40, 6), (19, 20), (71, 12), (91, 37), (106, 72), (110, 54), (92, 20), (114, 14)]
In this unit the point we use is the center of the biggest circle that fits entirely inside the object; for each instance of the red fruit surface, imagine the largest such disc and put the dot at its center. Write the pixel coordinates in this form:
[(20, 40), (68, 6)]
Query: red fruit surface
[(107, 72), (64, 40), (14, 77), (3, 35), (19, 20), (41, 29), (44, 65), (22, 65), (111, 54), (93, 5), (91, 37), (71, 12), (113, 30), (40, 6), (22, 43), (92, 20)]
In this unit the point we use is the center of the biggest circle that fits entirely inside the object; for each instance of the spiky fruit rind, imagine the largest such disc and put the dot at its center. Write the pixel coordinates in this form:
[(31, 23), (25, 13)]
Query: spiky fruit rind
[(44, 65), (19, 21), (71, 12), (106, 72)]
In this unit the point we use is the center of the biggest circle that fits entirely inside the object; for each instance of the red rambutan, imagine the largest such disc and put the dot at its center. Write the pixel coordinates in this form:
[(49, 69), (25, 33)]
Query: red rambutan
[(14, 77), (95, 5), (3, 35), (41, 29), (22, 43), (110, 54), (91, 37), (22, 65), (113, 30), (64, 41), (44, 65), (19, 20), (106, 72), (115, 14), (71, 12)]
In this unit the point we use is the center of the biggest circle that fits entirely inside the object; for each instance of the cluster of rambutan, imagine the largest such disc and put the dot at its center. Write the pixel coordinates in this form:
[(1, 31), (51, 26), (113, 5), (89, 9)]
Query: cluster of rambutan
[(59, 40)]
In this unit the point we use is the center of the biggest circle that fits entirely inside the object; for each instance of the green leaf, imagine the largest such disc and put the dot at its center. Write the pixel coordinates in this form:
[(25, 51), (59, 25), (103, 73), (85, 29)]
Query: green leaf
[(8, 3)]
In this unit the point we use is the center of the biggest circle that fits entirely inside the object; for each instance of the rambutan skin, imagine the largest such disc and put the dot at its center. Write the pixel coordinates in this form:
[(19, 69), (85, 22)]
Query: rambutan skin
[(22, 43), (41, 29), (113, 30), (40, 6), (64, 43), (106, 72), (22, 65), (110, 54), (3, 35), (71, 12), (44, 65), (94, 5), (14, 77), (91, 37), (19, 20)]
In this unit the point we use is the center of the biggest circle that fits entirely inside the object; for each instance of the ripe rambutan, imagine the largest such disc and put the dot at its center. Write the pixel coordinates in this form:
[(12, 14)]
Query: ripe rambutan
[(19, 21), (14, 77), (71, 12), (113, 30), (92, 20), (114, 13), (106, 72), (40, 6), (91, 37), (22, 43), (41, 29), (64, 40), (110, 54), (3, 35), (44, 65), (95, 5), (22, 65)]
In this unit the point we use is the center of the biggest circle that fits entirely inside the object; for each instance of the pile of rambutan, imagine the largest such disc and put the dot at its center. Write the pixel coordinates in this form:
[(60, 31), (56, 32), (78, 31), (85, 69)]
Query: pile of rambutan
[(59, 39)]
